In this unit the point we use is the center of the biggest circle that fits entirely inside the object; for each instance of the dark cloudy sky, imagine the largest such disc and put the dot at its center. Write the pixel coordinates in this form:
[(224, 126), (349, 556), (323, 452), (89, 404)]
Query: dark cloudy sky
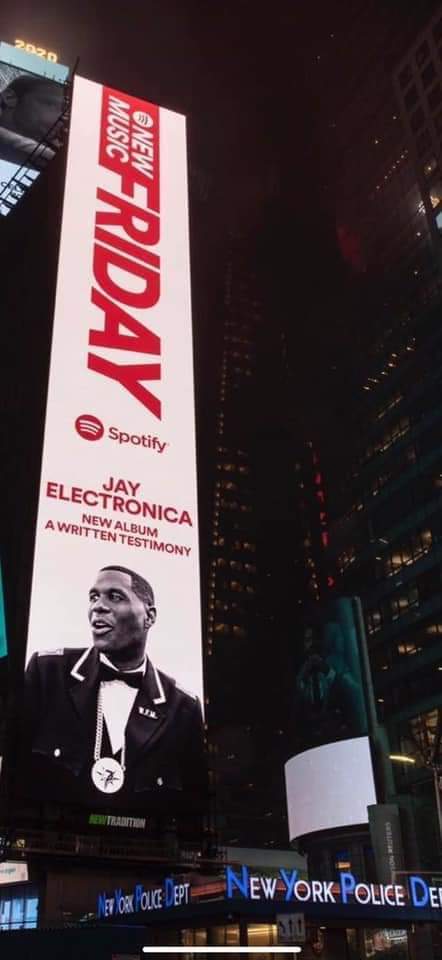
[(230, 65), (248, 78)]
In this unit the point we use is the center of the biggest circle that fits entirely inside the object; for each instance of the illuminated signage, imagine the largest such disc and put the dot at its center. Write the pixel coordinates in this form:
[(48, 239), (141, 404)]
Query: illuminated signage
[(129, 823), (117, 528), (289, 887), (330, 786), (11, 872), (38, 51), (32, 103), (141, 900), (329, 695), (3, 636), (30, 61)]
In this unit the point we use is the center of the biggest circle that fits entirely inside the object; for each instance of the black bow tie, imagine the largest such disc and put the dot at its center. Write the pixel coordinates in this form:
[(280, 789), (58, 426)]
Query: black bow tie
[(132, 679)]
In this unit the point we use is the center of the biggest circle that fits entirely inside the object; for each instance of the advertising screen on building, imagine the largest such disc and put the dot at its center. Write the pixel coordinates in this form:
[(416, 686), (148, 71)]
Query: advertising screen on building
[(329, 786), (32, 101), (114, 665), (3, 635), (329, 781), (33, 59), (329, 696)]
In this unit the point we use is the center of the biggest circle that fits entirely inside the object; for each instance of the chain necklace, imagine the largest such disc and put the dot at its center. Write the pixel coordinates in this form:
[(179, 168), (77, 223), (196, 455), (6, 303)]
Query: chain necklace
[(107, 773)]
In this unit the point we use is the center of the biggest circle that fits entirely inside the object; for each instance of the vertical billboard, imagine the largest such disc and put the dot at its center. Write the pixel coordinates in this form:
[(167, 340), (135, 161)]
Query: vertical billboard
[(32, 102), (329, 696), (329, 780), (113, 686), (3, 634)]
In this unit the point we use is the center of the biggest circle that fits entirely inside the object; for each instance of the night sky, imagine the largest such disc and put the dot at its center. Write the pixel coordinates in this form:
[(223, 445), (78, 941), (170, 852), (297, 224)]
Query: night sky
[(251, 80)]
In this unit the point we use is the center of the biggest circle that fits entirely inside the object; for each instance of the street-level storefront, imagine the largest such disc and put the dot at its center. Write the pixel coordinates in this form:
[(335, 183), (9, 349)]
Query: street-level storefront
[(342, 939), (107, 915), (19, 906), (326, 941)]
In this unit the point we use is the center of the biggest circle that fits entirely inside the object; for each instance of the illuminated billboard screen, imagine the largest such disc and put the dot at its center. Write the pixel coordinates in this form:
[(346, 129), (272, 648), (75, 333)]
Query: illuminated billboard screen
[(25, 56), (329, 694), (329, 780), (114, 663), (329, 786), (31, 106), (3, 636)]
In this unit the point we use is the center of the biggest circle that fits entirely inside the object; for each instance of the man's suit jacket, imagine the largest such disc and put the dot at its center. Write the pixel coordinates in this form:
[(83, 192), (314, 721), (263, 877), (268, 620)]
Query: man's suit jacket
[(164, 734)]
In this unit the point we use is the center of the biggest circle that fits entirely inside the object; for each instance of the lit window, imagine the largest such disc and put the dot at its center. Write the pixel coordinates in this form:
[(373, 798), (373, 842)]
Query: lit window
[(423, 729), (434, 629), (249, 546), (406, 649), (400, 604), (374, 621)]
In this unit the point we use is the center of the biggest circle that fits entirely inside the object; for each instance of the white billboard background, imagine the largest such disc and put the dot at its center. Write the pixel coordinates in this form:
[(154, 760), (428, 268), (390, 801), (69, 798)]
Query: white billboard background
[(329, 786), (65, 564)]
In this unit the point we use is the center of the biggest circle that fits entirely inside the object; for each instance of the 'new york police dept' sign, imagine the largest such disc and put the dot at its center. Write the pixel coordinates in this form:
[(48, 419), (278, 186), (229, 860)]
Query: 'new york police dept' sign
[(287, 886), (140, 900)]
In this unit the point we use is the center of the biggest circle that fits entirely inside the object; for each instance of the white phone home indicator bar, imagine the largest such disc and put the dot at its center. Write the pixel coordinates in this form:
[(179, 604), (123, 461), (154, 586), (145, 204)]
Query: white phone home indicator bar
[(289, 949)]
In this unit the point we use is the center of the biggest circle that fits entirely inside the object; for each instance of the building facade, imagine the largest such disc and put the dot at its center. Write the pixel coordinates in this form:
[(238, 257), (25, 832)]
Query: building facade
[(388, 550), (268, 536)]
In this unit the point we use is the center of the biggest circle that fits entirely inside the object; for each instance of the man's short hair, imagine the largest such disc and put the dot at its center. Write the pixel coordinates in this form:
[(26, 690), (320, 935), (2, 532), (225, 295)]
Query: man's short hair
[(139, 585), (24, 84)]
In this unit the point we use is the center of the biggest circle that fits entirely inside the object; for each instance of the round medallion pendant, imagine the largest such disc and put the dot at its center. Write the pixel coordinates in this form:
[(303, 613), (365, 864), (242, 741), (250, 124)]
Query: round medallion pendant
[(107, 775)]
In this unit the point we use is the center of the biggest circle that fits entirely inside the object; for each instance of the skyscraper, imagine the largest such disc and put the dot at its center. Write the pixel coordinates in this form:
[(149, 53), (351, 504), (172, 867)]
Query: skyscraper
[(371, 183), (269, 536), (387, 548)]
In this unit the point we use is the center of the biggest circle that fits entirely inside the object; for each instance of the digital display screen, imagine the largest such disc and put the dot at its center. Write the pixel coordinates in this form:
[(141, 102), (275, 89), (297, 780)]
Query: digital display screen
[(329, 694), (114, 690), (3, 635), (329, 786), (42, 63), (31, 105)]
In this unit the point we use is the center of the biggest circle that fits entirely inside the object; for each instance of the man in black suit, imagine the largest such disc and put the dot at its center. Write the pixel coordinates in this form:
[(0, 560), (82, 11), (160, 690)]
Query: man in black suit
[(103, 720)]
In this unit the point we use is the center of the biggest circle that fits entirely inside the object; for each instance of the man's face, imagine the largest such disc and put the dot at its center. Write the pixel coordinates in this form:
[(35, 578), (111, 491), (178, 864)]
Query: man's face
[(33, 114), (117, 616)]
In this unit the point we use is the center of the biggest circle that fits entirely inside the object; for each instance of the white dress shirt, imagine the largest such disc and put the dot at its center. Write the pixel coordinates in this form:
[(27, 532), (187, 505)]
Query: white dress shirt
[(117, 699)]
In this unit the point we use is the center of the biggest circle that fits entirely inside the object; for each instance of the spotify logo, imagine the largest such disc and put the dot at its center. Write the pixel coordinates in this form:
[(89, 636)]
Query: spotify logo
[(89, 427)]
